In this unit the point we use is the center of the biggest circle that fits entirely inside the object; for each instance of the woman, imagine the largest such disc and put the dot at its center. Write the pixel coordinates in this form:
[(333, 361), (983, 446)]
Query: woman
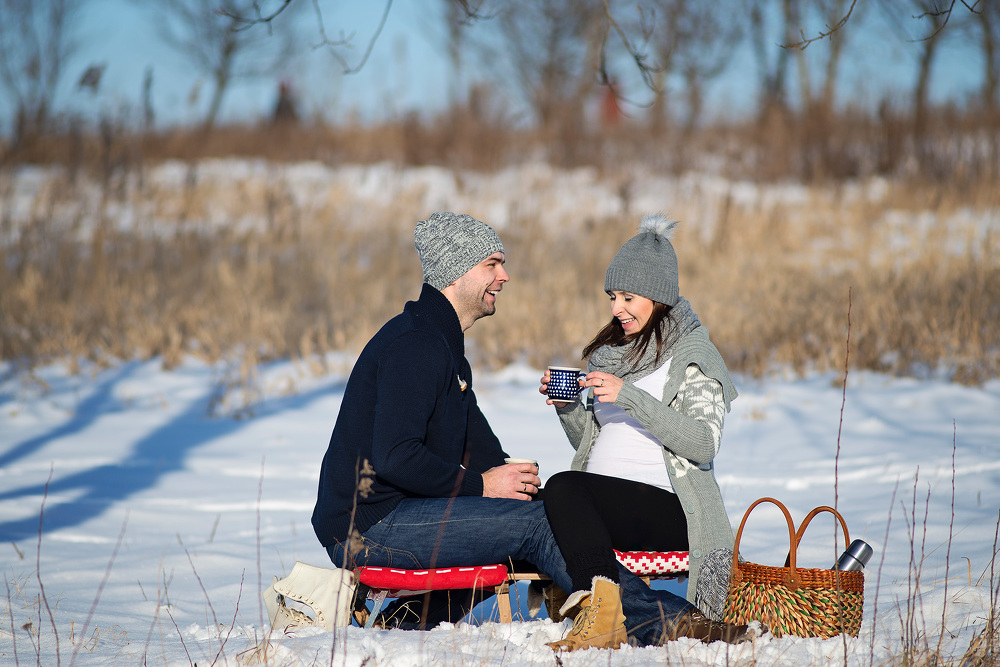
[(642, 478)]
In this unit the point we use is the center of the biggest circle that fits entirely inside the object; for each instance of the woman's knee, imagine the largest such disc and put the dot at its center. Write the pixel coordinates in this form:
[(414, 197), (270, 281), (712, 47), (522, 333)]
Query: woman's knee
[(563, 482)]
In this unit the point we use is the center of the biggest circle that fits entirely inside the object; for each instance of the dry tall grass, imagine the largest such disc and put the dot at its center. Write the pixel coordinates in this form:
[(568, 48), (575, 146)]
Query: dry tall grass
[(231, 261)]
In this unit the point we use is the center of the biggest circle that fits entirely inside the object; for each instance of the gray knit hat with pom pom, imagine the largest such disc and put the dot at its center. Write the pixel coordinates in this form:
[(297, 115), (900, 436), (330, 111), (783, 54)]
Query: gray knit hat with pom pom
[(647, 265), (449, 244)]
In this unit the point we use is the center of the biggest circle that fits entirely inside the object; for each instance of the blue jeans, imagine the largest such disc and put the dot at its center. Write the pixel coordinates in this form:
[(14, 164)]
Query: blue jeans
[(467, 530)]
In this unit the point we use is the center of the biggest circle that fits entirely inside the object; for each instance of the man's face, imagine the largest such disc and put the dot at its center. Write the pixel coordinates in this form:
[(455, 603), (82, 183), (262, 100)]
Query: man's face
[(474, 294)]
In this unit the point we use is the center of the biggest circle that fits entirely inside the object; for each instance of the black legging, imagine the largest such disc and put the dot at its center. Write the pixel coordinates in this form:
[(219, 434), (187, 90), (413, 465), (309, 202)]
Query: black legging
[(593, 514)]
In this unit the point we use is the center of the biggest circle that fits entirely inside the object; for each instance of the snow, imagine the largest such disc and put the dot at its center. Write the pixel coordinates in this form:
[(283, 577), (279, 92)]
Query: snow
[(142, 512), (521, 191)]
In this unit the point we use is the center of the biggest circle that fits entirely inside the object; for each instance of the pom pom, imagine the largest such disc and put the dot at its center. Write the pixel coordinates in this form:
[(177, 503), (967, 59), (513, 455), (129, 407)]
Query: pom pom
[(659, 225)]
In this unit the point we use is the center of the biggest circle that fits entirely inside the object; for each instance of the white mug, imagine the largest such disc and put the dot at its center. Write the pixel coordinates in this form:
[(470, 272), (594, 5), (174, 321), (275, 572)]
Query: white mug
[(514, 460)]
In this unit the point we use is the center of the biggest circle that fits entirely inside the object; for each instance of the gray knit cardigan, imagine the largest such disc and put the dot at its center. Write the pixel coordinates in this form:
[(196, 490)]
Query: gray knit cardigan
[(688, 459)]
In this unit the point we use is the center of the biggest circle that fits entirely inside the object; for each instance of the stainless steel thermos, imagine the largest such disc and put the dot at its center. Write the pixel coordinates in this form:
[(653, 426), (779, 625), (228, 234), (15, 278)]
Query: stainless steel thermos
[(856, 556)]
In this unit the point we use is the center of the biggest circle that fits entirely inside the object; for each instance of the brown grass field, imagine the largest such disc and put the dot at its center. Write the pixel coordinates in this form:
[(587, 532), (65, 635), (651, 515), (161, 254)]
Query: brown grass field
[(257, 243)]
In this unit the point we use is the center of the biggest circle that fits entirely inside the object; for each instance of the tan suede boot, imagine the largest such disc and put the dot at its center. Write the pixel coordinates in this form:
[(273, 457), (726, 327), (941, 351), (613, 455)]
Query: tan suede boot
[(600, 623), (551, 597), (555, 598)]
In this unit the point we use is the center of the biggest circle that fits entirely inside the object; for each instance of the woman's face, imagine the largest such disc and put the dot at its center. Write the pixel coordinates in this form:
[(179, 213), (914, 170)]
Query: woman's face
[(631, 310)]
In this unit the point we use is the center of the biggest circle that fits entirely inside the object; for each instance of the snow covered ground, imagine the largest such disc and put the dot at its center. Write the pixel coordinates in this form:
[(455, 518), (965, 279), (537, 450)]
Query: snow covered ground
[(138, 528)]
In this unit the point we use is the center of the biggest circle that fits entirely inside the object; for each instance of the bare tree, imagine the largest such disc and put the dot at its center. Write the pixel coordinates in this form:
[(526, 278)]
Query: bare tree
[(988, 22), (708, 39), (817, 78), (211, 37), (553, 48), (454, 20), (692, 40), (830, 11), (667, 41), (36, 43), (928, 46), (772, 64)]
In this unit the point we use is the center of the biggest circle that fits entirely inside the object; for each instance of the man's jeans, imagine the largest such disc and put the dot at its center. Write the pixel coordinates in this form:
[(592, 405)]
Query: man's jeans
[(469, 530)]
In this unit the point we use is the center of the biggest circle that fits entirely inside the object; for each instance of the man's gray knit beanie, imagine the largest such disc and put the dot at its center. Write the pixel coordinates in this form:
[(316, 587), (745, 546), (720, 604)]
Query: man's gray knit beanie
[(449, 244), (647, 265)]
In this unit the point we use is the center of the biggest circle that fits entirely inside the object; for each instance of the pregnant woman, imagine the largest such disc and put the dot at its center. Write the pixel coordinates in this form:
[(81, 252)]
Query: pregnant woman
[(643, 476)]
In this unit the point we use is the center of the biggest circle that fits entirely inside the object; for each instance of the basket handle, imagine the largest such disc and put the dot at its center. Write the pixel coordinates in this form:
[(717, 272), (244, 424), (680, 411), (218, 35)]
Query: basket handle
[(809, 517), (790, 577)]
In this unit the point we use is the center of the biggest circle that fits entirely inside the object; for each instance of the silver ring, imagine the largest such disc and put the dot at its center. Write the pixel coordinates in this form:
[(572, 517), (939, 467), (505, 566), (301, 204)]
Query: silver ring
[(602, 382), (525, 486)]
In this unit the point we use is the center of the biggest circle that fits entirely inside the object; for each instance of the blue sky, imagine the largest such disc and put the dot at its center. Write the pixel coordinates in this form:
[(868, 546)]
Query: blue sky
[(407, 69)]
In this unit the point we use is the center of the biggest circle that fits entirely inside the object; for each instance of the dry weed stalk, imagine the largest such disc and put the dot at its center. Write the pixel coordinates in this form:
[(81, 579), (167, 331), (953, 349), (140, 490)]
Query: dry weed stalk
[(13, 632), (100, 589), (38, 574)]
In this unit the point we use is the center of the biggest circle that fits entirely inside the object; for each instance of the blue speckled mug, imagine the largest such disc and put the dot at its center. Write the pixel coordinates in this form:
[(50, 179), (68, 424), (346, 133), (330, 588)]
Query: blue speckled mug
[(564, 383)]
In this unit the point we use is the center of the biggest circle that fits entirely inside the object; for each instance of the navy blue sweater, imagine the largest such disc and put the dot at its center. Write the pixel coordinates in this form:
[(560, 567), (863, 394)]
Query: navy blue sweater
[(410, 411)]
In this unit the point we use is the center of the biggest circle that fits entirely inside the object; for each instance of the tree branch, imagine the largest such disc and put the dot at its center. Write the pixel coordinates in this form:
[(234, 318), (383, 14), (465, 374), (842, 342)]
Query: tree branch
[(822, 35), (645, 70), (326, 41), (946, 13), (244, 22), (471, 9)]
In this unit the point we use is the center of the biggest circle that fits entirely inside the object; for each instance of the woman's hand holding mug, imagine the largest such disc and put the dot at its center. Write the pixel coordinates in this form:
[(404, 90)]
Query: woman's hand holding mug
[(604, 385), (557, 385)]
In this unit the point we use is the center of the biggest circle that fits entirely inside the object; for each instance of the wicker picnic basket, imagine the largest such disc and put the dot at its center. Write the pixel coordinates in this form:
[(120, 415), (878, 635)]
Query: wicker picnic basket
[(790, 600)]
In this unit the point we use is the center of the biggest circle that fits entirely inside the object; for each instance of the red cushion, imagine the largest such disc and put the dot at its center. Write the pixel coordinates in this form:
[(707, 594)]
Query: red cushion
[(401, 583), (654, 562)]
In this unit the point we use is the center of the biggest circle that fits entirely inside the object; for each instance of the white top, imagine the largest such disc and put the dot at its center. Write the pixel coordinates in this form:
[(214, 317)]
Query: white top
[(624, 448)]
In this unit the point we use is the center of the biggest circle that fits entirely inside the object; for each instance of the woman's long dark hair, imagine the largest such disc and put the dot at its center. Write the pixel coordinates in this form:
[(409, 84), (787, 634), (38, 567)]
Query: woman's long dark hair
[(659, 326)]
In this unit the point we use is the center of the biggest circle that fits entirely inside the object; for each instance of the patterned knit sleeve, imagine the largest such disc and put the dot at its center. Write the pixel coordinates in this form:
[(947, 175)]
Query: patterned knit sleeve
[(700, 397)]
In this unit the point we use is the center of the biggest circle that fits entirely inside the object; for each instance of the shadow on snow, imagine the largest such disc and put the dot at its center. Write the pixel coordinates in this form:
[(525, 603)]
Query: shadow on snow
[(161, 452)]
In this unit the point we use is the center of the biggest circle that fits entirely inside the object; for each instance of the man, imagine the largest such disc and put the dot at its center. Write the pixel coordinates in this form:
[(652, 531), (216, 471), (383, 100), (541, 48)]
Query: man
[(409, 411), (414, 477)]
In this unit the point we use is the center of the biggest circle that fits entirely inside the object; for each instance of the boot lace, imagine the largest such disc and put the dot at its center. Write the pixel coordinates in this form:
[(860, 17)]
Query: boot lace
[(585, 619)]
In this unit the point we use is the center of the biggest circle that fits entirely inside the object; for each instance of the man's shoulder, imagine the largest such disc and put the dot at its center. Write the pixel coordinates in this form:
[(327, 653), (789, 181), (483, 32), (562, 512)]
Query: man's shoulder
[(405, 329)]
